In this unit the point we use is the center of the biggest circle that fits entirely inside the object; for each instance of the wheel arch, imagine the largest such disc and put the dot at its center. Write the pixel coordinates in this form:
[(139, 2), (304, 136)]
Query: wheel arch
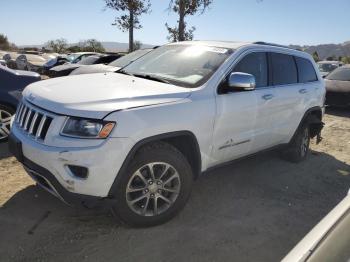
[(314, 117), (185, 141)]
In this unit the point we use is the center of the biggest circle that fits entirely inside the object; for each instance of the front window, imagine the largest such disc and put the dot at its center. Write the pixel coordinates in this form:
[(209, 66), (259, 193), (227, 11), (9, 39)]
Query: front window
[(183, 65)]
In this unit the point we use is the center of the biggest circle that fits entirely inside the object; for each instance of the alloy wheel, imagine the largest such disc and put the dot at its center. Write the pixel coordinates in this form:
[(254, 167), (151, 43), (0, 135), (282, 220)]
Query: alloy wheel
[(5, 122), (305, 142), (153, 189)]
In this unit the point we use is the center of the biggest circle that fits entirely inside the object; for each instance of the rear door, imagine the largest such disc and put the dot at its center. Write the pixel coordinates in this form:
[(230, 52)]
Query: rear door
[(288, 104)]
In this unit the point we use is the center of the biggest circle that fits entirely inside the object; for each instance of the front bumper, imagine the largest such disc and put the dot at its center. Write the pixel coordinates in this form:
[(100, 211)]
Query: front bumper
[(48, 165)]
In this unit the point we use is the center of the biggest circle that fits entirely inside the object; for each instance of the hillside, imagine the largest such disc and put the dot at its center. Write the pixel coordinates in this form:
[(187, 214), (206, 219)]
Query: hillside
[(327, 50)]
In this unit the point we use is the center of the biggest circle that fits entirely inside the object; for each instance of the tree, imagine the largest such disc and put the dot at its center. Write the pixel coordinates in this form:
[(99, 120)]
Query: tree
[(316, 56), (4, 43), (331, 58), (184, 8), (91, 45), (58, 45), (346, 59), (129, 21), (137, 45)]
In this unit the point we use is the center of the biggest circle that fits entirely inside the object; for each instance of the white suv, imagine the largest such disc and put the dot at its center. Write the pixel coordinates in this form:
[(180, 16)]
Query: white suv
[(135, 140)]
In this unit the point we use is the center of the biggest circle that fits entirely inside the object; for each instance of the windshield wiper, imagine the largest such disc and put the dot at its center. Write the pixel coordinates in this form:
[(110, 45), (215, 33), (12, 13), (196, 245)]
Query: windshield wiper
[(152, 77)]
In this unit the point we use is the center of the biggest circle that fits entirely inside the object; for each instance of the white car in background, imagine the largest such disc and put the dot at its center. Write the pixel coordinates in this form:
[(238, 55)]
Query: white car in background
[(329, 240), (113, 66)]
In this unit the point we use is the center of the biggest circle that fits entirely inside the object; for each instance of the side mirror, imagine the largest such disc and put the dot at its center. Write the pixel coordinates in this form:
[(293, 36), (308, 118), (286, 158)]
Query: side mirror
[(238, 81)]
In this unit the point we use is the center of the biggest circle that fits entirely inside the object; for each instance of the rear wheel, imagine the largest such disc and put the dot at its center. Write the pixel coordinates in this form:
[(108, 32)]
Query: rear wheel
[(298, 149), (6, 114), (155, 187)]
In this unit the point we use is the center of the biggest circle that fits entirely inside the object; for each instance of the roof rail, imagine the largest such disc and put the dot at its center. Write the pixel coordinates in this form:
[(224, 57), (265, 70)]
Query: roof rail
[(272, 44)]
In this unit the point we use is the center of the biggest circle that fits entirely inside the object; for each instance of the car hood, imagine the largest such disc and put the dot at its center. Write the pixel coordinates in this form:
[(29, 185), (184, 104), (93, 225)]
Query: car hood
[(337, 86), (96, 95), (89, 69), (66, 67), (26, 73)]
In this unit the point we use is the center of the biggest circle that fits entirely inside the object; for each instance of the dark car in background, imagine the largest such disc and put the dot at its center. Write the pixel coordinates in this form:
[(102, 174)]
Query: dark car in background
[(59, 60), (338, 87), (113, 66), (12, 83), (66, 69)]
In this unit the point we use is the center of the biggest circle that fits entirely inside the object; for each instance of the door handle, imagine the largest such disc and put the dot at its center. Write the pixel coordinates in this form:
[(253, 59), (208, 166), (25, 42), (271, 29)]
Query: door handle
[(303, 91), (267, 96)]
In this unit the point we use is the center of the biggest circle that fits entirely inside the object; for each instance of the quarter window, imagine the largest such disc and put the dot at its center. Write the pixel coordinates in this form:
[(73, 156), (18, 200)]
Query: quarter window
[(284, 70), (306, 70), (256, 65)]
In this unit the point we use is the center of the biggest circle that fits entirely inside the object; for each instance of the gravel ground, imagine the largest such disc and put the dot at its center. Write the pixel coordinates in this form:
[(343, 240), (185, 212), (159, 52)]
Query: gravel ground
[(256, 209)]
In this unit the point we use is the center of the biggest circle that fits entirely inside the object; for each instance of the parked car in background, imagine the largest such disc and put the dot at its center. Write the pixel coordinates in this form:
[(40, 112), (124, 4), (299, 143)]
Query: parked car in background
[(338, 87), (10, 59), (76, 57), (66, 69), (30, 62), (12, 83), (326, 67), (136, 140), (59, 60), (329, 240), (113, 66)]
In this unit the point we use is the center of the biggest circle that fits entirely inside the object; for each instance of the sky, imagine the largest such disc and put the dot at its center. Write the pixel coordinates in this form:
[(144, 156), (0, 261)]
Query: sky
[(304, 22)]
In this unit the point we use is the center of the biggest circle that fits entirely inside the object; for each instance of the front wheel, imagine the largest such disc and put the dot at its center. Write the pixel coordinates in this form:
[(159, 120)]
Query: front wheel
[(155, 187), (298, 148), (6, 114)]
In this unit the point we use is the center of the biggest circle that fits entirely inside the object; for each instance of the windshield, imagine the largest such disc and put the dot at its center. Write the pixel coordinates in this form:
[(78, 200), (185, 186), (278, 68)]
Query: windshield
[(327, 67), (72, 57), (90, 60), (127, 59), (183, 65), (340, 74)]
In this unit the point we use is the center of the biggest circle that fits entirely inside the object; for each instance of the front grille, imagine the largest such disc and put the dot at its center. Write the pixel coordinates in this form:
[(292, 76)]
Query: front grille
[(32, 121)]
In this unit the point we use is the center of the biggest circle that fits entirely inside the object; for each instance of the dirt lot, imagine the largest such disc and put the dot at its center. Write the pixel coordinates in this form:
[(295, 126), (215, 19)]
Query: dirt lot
[(254, 210)]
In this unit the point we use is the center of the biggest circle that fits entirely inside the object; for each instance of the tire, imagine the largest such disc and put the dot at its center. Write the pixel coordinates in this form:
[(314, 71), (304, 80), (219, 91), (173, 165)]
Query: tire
[(6, 114), (298, 148), (167, 163)]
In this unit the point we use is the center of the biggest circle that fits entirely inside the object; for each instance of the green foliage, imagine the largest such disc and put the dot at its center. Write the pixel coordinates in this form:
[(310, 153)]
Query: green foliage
[(91, 45), (129, 19), (315, 56), (346, 59), (57, 45), (184, 8), (4, 43), (137, 45)]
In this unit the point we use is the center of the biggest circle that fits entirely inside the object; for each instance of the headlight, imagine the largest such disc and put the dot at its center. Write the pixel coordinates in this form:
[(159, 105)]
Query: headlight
[(87, 128)]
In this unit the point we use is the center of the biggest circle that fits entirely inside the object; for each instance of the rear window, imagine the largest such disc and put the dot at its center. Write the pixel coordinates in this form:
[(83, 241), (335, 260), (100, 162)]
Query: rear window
[(340, 74), (284, 69), (306, 70)]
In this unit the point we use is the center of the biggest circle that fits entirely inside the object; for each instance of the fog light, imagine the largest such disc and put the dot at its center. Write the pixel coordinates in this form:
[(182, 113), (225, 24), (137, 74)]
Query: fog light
[(79, 171)]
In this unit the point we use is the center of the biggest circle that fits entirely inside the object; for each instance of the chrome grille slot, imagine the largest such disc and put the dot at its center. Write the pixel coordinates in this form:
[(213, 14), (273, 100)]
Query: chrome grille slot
[(32, 121)]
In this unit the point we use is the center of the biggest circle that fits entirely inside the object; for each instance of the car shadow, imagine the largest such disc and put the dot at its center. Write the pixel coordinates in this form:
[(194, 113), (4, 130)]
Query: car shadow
[(255, 209), (4, 151), (338, 111)]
